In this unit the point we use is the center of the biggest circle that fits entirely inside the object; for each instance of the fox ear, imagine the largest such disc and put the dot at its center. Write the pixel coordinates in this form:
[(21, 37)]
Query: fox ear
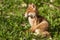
[(32, 6), (29, 5)]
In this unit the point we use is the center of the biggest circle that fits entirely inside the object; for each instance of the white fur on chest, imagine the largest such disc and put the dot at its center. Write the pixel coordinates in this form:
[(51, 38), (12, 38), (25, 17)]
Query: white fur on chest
[(31, 21)]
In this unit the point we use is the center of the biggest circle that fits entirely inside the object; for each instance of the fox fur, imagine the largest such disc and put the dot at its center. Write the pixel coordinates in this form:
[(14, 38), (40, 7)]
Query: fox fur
[(39, 24)]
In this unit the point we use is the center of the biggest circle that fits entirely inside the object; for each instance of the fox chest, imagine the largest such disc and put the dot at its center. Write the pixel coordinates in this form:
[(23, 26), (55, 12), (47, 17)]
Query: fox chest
[(32, 21)]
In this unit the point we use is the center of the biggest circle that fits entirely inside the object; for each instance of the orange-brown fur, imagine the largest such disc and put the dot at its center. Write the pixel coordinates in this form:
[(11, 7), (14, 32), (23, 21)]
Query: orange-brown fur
[(38, 22)]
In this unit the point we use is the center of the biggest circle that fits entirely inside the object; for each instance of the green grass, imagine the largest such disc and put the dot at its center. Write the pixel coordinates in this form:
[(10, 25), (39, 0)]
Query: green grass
[(12, 19)]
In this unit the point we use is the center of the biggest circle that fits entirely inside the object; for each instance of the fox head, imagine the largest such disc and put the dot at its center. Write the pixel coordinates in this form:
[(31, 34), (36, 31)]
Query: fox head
[(31, 10)]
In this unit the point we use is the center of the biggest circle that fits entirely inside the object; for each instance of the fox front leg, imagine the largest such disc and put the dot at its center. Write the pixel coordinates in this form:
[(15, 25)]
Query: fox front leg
[(33, 28)]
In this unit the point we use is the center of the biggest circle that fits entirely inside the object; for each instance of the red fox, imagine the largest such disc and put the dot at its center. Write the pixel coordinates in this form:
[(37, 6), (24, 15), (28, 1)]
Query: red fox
[(39, 24)]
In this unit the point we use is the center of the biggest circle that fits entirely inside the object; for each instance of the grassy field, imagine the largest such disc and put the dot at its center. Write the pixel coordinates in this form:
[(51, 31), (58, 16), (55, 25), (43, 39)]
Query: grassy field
[(13, 25)]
